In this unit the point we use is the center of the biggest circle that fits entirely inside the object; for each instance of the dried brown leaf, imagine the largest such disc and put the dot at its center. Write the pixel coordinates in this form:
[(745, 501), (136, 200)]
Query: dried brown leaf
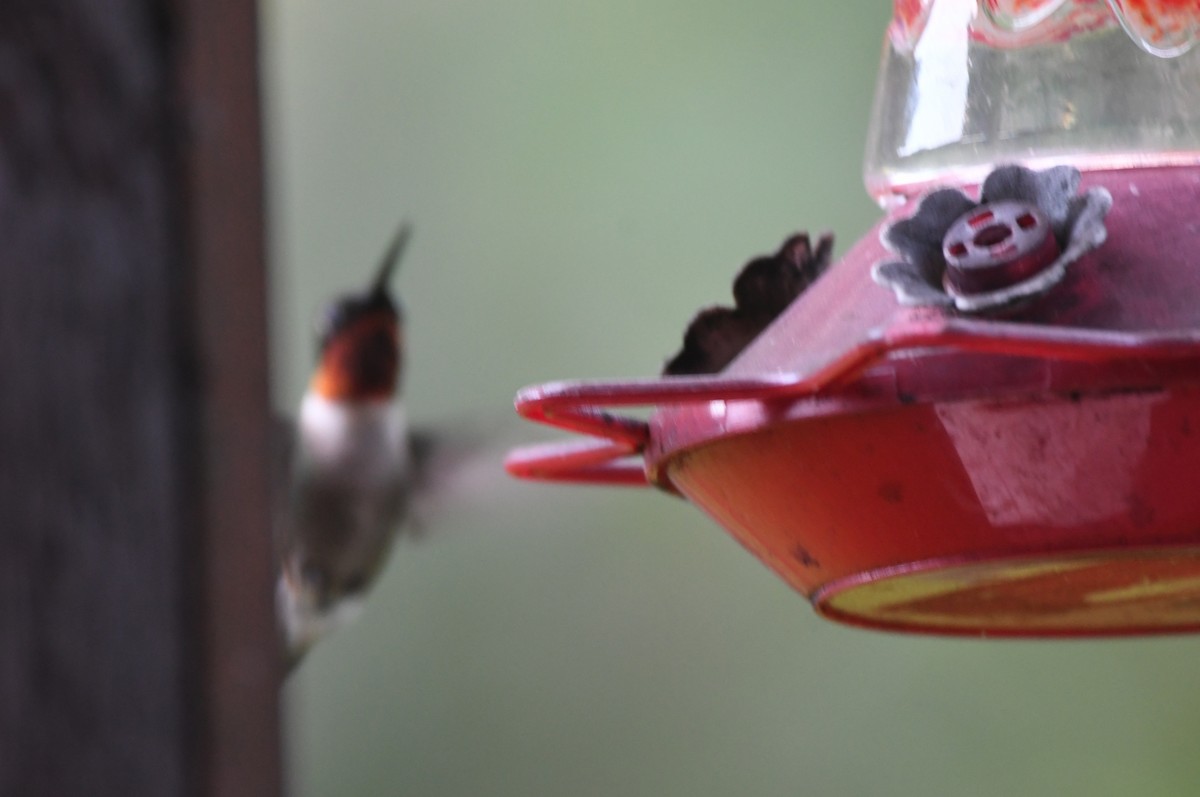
[(762, 290)]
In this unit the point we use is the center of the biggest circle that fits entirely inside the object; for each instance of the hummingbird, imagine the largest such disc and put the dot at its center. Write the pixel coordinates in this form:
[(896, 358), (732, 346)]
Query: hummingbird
[(347, 466)]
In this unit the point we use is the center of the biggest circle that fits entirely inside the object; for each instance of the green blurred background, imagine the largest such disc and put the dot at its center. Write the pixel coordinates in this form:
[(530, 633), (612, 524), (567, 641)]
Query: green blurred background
[(582, 177)]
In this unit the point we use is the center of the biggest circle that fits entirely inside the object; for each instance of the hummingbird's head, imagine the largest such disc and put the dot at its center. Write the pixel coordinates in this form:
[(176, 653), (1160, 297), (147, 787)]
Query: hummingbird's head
[(360, 338)]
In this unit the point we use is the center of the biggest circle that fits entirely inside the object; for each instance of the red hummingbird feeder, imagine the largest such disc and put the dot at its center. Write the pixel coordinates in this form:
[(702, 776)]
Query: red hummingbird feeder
[(985, 418)]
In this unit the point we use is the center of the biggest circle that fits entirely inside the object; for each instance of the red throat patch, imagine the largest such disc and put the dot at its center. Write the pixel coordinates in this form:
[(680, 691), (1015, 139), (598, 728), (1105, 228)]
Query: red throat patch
[(362, 361)]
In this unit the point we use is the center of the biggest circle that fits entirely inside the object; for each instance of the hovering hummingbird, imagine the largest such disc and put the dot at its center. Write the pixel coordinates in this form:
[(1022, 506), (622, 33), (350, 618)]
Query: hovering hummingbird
[(347, 465)]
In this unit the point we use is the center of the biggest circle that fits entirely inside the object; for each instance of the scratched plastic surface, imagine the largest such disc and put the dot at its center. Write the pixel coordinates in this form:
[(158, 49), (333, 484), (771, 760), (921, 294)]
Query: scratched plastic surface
[(1065, 516)]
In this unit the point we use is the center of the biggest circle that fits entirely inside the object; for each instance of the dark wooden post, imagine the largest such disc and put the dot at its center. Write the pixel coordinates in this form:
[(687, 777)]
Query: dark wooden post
[(137, 652)]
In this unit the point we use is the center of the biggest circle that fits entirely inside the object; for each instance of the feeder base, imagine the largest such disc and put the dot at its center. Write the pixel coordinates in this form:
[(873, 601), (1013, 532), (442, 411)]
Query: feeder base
[(1107, 593)]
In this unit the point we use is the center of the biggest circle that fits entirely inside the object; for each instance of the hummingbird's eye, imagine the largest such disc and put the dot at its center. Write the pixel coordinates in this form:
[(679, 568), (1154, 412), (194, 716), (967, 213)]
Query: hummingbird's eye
[(331, 318)]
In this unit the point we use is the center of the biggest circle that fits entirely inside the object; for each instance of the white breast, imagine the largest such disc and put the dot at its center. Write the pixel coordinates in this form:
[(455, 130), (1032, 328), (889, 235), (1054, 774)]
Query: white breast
[(365, 440)]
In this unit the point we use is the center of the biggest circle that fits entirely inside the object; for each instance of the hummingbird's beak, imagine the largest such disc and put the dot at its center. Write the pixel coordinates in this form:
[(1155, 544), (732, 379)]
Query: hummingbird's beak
[(391, 259)]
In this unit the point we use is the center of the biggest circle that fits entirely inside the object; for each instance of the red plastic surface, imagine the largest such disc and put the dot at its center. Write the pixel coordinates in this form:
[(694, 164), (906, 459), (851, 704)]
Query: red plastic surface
[(929, 472)]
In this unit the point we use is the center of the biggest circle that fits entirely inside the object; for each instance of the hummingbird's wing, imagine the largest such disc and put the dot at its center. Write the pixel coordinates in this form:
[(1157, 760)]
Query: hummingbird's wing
[(454, 464), (450, 464)]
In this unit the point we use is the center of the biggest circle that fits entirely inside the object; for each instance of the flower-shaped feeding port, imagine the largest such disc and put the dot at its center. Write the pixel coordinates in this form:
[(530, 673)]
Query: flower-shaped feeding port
[(1014, 244)]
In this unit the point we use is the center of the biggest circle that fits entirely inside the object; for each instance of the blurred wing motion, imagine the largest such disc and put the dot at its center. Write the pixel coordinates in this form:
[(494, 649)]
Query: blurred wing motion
[(763, 289)]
